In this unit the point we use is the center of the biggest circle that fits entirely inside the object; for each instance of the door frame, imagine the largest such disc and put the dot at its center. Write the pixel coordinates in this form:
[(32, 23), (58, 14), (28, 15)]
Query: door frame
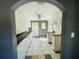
[(40, 21), (18, 4)]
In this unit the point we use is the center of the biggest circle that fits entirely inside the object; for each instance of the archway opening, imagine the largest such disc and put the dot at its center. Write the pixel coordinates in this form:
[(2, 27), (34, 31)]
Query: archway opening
[(38, 12)]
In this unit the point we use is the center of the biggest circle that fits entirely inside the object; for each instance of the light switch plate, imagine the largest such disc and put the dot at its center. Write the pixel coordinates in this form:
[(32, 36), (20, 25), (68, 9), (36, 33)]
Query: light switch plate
[(72, 35)]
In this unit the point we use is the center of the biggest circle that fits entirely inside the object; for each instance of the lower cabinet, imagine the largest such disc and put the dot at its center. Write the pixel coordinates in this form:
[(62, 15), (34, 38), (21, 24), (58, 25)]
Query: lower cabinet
[(57, 43)]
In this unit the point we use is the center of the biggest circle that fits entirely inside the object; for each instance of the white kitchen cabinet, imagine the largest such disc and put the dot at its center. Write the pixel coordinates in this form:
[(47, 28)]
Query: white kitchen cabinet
[(56, 42)]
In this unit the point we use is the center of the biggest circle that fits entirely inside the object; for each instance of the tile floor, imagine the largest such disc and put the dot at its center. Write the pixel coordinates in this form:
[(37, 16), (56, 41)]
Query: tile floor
[(42, 56), (32, 46), (40, 46)]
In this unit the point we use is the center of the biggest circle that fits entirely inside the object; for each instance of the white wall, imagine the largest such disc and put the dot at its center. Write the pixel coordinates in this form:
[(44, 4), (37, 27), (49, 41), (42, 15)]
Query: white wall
[(57, 22), (21, 22), (28, 12)]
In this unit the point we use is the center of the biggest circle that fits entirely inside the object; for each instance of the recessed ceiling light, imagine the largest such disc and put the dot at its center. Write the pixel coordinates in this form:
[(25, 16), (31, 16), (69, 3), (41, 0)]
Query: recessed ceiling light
[(41, 3)]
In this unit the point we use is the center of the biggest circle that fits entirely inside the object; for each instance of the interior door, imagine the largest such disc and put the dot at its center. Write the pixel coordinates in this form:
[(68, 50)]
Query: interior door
[(35, 28), (43, 28), (39, 28)]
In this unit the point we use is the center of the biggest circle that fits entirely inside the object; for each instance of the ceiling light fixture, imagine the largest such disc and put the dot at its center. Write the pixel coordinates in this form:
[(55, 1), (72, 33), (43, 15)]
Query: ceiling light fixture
[(38, 15)]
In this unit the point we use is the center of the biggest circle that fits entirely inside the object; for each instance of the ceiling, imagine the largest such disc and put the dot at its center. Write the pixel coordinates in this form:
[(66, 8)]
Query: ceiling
[(30, 11)]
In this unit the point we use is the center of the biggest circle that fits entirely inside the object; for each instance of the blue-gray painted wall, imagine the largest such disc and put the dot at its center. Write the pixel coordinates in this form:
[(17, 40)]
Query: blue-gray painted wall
[(70, 47)]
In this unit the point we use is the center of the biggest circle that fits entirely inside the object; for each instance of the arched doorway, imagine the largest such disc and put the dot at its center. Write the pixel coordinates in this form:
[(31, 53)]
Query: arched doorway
[(17, 5)]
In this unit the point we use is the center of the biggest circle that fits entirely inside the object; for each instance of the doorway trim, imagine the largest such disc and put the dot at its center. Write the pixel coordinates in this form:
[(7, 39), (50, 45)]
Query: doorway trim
[(22, 2)]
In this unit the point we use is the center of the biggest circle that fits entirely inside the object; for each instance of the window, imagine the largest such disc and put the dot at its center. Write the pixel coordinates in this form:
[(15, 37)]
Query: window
[(43, 25)]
